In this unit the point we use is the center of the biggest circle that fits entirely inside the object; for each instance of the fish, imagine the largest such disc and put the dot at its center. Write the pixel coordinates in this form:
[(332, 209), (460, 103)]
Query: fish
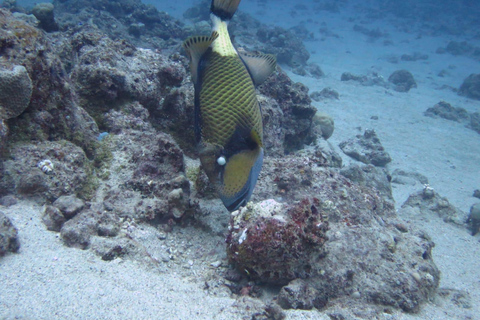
[(228, 121)]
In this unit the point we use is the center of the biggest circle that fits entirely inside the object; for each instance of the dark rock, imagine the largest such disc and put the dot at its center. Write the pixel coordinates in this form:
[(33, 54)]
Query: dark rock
[(111, 248), (297, 110), (408, 178), (474, 219), (300, 71), (273, 120), (275, 312), (78, 231), (8, 236), (137, 29), (50, 169), (414, 57), (459, 48), (428, 202), (459, 298), (69, 205), (154, 165), (299, 295), (131, 203), (44, 12), (476, 193), (403, 80), (53, 218), (470, 87), (373, 34), (8, 201), (367, 149), (288, 48), (32, 182), (365, 80), (370, 176), (475, 121), (326, 93), (347, 76), (447, 111), (315, 70)]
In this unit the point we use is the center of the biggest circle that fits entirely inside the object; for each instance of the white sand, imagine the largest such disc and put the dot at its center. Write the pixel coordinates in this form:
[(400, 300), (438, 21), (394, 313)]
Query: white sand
[(47, 280)]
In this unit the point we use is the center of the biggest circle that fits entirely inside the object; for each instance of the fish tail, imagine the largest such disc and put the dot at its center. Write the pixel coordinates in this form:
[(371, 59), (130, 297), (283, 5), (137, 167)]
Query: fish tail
[(224, 9)]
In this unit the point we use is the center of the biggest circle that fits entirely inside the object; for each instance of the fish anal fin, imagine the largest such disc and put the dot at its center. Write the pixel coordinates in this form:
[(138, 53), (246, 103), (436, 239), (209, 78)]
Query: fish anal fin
[(260, 66), (195, 47)]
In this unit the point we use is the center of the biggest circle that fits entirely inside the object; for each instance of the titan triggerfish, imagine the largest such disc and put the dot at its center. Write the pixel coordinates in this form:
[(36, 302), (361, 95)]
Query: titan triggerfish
[(228, 120)]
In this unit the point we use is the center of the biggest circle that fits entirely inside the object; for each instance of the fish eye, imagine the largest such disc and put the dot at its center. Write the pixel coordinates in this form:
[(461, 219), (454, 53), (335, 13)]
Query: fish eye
[(221, 160)]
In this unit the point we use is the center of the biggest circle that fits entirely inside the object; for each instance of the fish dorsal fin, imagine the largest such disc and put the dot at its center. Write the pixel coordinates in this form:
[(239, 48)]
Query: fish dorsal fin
[(260, 66), (195, 48)]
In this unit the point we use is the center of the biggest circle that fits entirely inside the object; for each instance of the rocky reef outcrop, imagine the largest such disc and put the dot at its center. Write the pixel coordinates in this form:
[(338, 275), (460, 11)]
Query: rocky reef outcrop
[(344, 238)]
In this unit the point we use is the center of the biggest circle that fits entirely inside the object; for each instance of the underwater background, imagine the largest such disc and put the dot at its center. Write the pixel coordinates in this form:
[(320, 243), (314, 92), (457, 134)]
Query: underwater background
[(367, 206)]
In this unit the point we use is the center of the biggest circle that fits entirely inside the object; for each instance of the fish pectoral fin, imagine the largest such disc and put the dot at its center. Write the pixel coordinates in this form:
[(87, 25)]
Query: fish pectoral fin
[(195, 47), (260, 66)]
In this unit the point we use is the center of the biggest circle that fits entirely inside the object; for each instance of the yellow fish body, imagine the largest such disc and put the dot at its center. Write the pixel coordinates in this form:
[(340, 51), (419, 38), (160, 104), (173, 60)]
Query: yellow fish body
[(228, 120)]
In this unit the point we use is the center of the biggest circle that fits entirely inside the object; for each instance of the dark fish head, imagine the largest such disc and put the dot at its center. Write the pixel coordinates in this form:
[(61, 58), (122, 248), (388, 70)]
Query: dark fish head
[(239, 177), (234, 170)]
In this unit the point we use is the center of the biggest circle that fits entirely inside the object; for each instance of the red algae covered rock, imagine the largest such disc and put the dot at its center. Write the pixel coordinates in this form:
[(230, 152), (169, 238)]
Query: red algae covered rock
[(367, 254), (275, 242)]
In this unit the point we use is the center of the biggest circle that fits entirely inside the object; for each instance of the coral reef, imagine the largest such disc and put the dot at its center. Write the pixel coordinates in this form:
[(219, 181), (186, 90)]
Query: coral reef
[(140, 24), (8, 236), (367, 149)]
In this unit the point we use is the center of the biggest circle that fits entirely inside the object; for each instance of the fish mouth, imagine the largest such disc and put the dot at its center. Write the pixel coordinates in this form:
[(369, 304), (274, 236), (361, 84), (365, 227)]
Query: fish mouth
[(239, 178)]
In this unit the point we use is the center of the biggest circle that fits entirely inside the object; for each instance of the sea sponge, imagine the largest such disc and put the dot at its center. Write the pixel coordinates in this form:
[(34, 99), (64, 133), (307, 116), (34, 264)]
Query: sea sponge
[(15, 92)]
